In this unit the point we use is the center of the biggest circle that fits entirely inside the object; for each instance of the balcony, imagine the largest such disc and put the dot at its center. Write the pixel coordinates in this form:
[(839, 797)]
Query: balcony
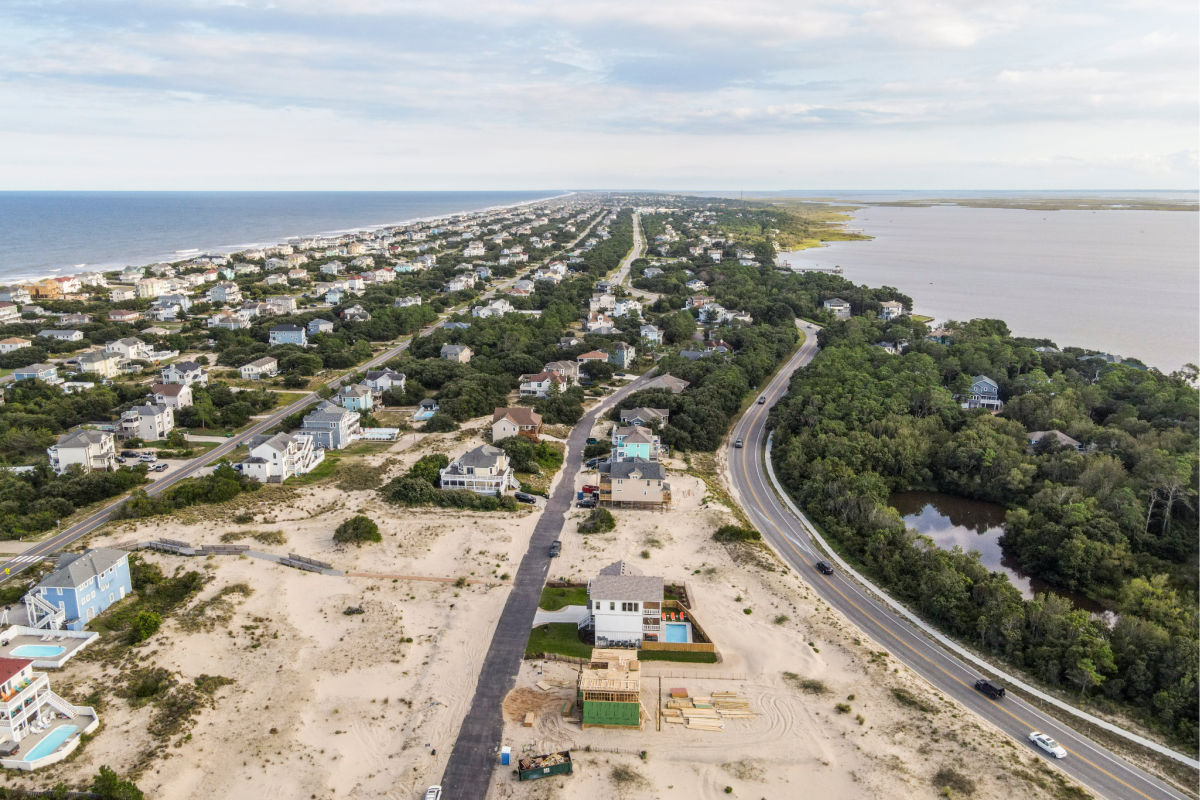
[(13, 701)]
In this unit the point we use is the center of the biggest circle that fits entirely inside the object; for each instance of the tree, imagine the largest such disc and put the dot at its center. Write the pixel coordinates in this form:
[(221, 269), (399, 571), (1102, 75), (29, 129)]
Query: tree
[(145, 625), (357, 530), (107, 785)]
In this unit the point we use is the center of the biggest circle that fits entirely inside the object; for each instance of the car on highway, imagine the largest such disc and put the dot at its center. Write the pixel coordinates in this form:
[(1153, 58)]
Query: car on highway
[(524, 497), (992, 690), (762, 400), (824, 567), (555, 548), (1049, 745), (738, 443)]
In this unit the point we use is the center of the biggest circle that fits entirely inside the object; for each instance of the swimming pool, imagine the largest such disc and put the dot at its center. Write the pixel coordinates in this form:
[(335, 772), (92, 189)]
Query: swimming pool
[(38, 651), (676, 632), (51, 743)]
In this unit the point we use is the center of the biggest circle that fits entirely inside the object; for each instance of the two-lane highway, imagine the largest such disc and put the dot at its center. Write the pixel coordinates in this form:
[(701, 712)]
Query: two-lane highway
[(1088, 762)]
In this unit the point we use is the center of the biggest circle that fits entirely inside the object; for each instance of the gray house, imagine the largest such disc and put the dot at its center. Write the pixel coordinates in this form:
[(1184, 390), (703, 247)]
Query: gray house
[(985, 393), (332, 427)]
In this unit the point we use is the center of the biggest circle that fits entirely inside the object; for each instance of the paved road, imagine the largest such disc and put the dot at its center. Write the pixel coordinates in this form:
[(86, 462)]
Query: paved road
[(191, 468), (639, 247), (469, 770), (1088, 762)]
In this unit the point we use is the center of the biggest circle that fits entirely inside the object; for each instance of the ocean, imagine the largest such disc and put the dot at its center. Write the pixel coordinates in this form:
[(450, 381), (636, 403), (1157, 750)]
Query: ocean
[(52, 233), (1121, 281)]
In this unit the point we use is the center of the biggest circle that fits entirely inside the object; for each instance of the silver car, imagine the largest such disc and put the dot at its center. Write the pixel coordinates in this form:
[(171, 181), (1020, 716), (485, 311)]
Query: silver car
[(1049, 745)]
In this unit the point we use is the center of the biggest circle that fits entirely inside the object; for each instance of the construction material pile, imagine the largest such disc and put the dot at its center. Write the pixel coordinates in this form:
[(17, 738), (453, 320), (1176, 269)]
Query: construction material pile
[(548, 760), (705, 713)]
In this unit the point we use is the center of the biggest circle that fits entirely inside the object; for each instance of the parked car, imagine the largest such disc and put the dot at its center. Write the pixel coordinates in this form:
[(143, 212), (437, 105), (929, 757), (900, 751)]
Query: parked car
[(1049, 745), (592, 463), (433, 793), (130, 453), (149, 458), (159, 468), (587, 502), (590, 489), (555, 548), (992, 690), (121, 459), (738, 443), (824, 567), (762, 400), (523, 497)]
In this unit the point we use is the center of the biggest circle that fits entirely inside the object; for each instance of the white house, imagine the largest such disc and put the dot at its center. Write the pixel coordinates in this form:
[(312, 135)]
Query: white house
[(172, 395), (891, 309), (185, 372), (540, 384), (625, 606), (484, 470), (90, 449), (381, 380), (838, 307), (148, 423), (62, 335), (651, 334), (332, 427), (259, 368), (225, 292), (13, 343), (130, 348), (274, 459)]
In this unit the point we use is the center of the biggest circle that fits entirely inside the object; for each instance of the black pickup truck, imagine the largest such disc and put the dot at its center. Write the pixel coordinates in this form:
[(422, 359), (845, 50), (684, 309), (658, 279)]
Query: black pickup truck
[(992, 690)]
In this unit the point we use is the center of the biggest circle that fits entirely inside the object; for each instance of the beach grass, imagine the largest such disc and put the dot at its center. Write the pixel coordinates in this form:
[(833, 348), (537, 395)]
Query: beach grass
[(557, 597)]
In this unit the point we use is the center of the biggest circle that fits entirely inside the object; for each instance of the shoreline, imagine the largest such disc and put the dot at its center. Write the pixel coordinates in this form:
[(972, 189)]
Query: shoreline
[(179, 256)]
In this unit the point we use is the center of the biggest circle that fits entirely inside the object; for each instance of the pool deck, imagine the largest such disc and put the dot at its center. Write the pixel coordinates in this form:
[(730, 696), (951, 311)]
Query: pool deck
[(71, 642), (86, 721)]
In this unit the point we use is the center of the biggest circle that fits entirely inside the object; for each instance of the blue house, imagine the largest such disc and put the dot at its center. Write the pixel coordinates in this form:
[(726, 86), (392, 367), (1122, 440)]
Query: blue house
[(41, 372), (288, 334), (82, 586)]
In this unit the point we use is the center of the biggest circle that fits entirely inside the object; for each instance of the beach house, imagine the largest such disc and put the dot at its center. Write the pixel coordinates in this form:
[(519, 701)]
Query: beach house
[(651, 334), (288, 334), (81, 586), (319, 325), (483, 470), (101, 362), (172, 395), (355, 398), (90, 449), (540, 384), (635, 483), (838, 307), (625, 606), (69, 335), (622, 355), (189, 373), (609, 689), (456, 352), (47, 373), (890, 309), (13, 343), (44, 727), (274, 459), (147, 422), (382, 380), (644, 416), (634, 442), (259, 368), (516, 421), (985, 393), (331, 427)]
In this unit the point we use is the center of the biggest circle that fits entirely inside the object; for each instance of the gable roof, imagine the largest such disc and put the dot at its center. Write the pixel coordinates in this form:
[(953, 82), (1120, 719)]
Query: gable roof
[(81, 438), (75, 568), (12, 666), (483, 456), (668, 382), (170, 389), (649, 470), (522, 416), (644, 414), (625, 586)]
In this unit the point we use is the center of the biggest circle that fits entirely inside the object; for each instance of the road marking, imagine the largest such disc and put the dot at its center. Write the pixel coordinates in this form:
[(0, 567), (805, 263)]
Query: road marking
[(749, 424)]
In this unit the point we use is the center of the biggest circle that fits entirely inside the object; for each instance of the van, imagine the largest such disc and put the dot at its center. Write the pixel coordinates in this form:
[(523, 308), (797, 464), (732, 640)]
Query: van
[(992, 690)]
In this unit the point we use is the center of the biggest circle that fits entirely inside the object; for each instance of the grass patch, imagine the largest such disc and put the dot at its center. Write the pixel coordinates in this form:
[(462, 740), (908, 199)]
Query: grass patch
[(262, 537), (556, 597), (688, 656), (561, 638), (906, 698), (806, 685), (947, 778), (323, 471), (627, 777), (600, 520)]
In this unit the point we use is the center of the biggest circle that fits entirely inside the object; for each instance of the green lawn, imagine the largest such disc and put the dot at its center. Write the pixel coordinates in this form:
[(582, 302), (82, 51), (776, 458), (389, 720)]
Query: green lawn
[(556, 597), (557, 637), (677, 655)]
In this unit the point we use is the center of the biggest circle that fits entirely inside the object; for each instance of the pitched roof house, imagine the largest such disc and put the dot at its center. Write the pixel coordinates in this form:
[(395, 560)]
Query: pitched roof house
[(516, 421)]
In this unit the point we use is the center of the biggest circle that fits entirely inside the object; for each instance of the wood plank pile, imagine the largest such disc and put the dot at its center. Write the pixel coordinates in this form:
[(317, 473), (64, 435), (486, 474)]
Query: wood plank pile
[(706, 713)]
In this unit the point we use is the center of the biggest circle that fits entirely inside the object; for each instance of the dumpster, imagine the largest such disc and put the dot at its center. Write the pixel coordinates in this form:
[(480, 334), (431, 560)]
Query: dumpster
[(534, 767)]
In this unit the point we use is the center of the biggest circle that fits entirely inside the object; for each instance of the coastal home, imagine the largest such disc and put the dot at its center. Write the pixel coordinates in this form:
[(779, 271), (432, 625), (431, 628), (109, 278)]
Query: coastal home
[(567, 370), (229, 320), (516, 421), (332, 427), (456, 352), (1061, 439), (147, 422), (356, 313), (355, 398), (119, 294), (13, 343), (622, 355), (259, 368), (838, 307), (405, 302), (124, 316), (382, 380), (483, 470), (101, 362), (426, 409), (29, 718), (225, 292), (46, 373), (288, 334), (598, 322), (651, 334), (636, 483), (62, 335), (592, 356), (274, 459), (634, 442), (319, 325), (81, 586), (644, 416), (540, 384), (890, 309), (625, 606), (91, 450), (9, 312), (985, 393), (186, 372), (172, 395), (281, 304), (15, 294), (496, 308), (130, 348)]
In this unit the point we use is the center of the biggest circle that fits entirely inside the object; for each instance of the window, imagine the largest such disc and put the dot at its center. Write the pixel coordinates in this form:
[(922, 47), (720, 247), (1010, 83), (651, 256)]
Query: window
[(612, 606), (629, 606)]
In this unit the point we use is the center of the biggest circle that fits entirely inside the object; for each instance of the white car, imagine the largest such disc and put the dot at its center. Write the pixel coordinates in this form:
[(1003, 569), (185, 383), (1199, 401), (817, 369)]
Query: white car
[(1049, 745), (433, 793)]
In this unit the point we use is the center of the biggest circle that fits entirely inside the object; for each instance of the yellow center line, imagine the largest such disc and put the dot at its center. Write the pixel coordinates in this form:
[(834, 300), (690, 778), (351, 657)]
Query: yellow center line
[(757, 413)]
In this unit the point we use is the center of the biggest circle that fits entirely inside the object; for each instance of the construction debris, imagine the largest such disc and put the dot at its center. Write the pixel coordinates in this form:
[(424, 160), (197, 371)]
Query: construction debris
[(705, 713)]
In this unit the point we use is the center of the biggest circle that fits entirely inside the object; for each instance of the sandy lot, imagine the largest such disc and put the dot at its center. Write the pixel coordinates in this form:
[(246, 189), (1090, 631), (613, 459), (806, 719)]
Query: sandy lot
[(799, 745), (323, 704)]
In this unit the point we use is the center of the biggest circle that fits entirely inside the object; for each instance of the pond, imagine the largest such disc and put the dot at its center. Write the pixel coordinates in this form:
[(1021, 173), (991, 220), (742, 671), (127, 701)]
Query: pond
[(976, 527)]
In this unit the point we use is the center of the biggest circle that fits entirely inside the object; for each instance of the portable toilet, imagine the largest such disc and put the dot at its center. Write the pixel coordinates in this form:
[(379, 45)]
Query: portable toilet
[(505, 756)]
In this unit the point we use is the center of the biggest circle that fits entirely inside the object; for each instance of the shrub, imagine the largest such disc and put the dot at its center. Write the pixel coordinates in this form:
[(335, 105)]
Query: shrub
[(440, 423), (600, 520), (357, 529), (806, 685), (107, 785), (736, 533), (949, 778), (145, 624), (600, 448)]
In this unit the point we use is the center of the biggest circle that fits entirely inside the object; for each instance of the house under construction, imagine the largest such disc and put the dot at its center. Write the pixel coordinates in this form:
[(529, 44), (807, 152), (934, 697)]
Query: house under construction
[(610, 689)]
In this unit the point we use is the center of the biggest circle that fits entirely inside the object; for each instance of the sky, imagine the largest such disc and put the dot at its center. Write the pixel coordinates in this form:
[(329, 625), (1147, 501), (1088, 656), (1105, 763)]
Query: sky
[(571, 94)]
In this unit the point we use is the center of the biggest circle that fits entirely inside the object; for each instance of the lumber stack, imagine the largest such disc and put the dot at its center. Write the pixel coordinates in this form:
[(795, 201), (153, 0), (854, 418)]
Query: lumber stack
[(705, 713)]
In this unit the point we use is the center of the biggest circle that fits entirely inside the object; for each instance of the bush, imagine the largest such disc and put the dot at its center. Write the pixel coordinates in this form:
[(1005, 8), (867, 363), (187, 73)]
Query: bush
[(357, 529), (948, 778), (600, 520), (145, 624), (600, 448), (440, 423), (107, 785), (736, 533)]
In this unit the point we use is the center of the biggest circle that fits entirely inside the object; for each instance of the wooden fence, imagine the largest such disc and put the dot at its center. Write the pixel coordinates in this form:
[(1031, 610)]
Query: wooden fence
[(681, 647)]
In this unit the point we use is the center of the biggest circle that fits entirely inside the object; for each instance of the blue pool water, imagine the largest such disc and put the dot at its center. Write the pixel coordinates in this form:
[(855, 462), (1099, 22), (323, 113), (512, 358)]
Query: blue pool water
[(38, 651), (675, 631), (53, 739)]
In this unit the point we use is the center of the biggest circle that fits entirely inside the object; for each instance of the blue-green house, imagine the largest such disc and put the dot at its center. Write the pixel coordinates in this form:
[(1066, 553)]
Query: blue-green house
[(82, 586), (633, 442)]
